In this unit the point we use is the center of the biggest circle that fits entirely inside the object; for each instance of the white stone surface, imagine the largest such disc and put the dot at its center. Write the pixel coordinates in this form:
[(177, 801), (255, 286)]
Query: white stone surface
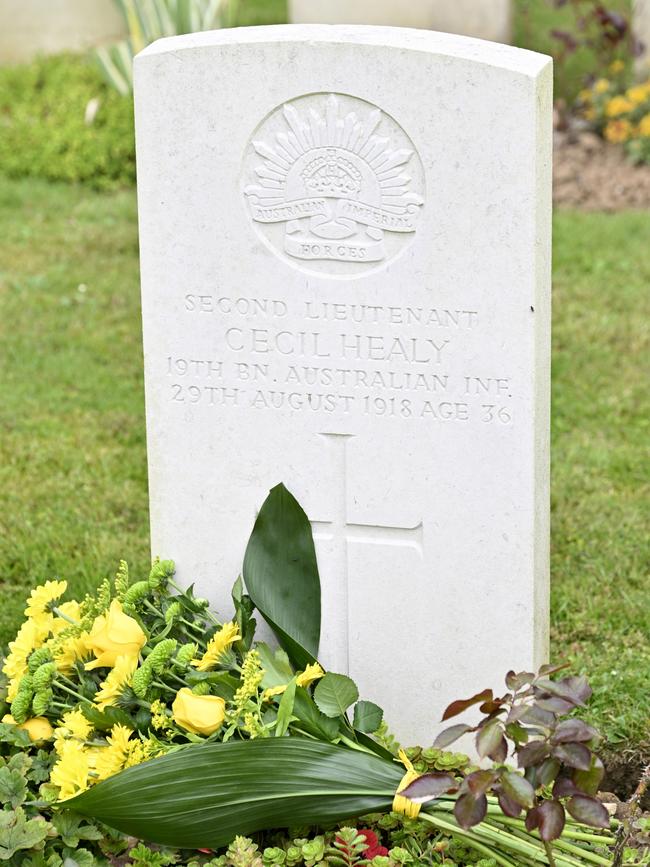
[(484, 19), (345, 244), (641, 26), (31, 27)]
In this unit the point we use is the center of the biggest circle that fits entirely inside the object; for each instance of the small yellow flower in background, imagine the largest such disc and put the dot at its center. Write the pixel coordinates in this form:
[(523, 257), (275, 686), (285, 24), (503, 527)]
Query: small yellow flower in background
[(112, 759), (118, 678), (200, 714), (644, 125), (616, 66), (217, 645), (71, 650), (159, 719), (41, 598), (38, 728), (585, 95), (638, 94), (618, 131), (71, 771), (601, 86), (618, 105), (589, 114), (114, 634)]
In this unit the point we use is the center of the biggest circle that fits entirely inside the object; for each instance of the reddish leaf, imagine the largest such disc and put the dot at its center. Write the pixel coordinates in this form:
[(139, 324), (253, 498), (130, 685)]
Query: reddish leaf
[(555, 704), (565, 788), (469, 811), (573, 730), (532, 753), (515, 681), (488, 738), (547, 772), (517, 713), (494, 706), (574, 755), (500, 752), (518, 788), (532, 819), (589, 781), (510, 808), (546, 670), (480, 781), (589, 811), (429, 786), (551, 819), (536, 716), (578, 689), (457, 707), (448, 736)]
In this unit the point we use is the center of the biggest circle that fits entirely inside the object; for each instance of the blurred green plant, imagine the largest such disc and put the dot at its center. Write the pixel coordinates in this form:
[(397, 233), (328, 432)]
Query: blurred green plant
[(148, 20), (60, 121)]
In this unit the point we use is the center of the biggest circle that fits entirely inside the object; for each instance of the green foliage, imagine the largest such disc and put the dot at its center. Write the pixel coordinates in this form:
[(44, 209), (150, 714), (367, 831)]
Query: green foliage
[(60, 121), (148, 20)]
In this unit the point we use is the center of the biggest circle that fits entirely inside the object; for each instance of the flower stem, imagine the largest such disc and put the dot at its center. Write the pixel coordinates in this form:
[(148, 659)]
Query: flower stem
[(63, 616)]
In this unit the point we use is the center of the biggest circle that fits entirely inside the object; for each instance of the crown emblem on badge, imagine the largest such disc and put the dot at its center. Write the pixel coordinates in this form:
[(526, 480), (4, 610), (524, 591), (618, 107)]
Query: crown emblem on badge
[(336, 183)]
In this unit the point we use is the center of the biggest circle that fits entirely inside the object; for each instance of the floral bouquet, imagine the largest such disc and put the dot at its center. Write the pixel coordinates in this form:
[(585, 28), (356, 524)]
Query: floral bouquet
[(169, 724)]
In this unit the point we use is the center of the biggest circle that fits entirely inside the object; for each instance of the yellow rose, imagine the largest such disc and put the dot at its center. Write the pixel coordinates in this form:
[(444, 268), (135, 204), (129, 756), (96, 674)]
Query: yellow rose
[(38, 728), (112, 635), (201, 714)]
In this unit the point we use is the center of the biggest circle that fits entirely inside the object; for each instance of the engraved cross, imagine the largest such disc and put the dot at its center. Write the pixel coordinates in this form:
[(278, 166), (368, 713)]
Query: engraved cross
[(341, 531)]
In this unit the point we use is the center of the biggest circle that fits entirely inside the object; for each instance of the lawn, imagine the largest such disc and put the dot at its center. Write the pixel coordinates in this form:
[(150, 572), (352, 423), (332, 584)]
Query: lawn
[(72, 448)]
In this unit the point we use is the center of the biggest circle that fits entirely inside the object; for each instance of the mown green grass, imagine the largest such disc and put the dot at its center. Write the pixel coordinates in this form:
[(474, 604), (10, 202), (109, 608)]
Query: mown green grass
[(72, 438)]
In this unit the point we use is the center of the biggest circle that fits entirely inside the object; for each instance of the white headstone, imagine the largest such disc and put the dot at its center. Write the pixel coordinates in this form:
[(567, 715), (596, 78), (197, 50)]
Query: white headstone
[(641, 27), (484, 19), (345, 238)]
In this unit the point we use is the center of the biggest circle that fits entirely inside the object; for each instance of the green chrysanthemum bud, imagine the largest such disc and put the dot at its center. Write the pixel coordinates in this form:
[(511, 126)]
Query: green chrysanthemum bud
[(141, 681), (136, 593), (161, 654), (21, 706), (41, 701), (44, 676), (173, 612), (38, 658), (202, 688), (161, 572), (187, 653), (26, 684)]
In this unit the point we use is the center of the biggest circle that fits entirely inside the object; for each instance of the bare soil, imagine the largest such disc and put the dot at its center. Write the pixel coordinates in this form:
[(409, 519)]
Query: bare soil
[(590, 174)]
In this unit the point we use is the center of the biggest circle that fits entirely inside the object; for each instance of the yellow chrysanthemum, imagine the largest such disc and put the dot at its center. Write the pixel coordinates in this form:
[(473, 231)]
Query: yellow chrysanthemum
[(30, 636), (618, 105), (585, 95), (77, 724), (71, 650), (618, 131), (218, 644), (644, 125), (112, 759), (616, 66), (305, 678), (70, 773), (118, 678), (72, 612), (601, 86), (41, 598)]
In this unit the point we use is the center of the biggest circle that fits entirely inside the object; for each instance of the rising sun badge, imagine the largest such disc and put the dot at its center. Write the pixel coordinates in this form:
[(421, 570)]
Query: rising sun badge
[(334, 179)]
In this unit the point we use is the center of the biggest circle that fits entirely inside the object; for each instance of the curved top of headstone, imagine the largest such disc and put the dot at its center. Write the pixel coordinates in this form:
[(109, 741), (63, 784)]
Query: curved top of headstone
[(517, 60)]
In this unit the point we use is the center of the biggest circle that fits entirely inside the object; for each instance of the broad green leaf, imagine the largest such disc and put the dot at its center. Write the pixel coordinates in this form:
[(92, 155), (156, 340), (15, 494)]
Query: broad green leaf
[(335, 693), (281, 575), (204, 795), (276, 665), (312, 721), (367, 716), (17, 832)]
